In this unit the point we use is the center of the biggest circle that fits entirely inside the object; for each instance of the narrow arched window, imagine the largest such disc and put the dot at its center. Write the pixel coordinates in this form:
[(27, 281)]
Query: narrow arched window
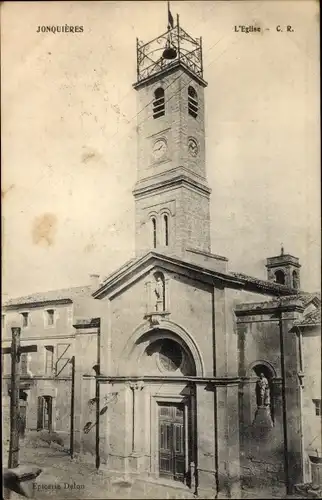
[(295, 280), (280, 277), (154, 232), (158, 103), (192, 102), (166, 229)]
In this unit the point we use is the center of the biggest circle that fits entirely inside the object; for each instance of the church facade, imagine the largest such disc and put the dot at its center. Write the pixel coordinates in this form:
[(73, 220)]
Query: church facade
[(188, 374), (197, 369)]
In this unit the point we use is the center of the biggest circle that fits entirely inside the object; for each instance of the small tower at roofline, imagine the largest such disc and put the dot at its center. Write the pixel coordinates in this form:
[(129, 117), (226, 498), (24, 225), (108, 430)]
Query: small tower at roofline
[(284, 269), (171, 193)]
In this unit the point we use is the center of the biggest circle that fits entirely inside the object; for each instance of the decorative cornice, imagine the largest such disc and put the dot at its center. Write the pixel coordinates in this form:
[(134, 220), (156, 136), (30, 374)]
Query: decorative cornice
[(206, 254), (220, 381), (28, 380), (44, 337), (180, 179), (255, 309), (40, 303), (282, 260), (167, 71), (253, 380), (205, 274)]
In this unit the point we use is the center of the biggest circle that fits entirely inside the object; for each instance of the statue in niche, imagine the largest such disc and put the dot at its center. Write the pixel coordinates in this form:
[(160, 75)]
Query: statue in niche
[(159, 292), (263, 391)]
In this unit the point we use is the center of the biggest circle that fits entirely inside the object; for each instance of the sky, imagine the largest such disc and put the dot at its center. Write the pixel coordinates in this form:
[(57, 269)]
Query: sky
[(68, 114)]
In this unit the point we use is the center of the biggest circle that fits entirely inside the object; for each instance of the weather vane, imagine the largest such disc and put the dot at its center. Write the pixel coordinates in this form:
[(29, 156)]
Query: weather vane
[(169, 52)]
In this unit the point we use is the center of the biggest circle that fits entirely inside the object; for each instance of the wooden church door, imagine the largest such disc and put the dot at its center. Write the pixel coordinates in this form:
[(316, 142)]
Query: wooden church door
[(171, 441)]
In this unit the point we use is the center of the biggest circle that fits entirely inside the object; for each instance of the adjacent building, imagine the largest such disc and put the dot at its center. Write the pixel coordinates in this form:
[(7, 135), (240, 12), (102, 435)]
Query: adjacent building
[(46, 321)]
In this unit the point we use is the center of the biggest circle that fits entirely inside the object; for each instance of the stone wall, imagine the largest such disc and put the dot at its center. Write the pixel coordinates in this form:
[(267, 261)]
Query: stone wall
[(270, 437)]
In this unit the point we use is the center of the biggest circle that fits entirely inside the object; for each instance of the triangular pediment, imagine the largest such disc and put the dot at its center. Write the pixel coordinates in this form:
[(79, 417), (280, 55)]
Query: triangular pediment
[(139, 267), (136, 268)]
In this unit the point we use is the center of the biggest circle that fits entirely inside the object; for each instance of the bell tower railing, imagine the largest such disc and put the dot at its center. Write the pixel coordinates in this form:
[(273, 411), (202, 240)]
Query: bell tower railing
[(187, 50)]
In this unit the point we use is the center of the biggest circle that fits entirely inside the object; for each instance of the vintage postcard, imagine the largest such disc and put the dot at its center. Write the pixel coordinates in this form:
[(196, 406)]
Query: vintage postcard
[(161, 307)]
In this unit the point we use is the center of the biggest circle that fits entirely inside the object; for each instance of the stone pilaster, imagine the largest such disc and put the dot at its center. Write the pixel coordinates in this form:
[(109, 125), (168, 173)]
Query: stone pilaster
[(206, 443), (137, 427), (292, 425), (227, 424)]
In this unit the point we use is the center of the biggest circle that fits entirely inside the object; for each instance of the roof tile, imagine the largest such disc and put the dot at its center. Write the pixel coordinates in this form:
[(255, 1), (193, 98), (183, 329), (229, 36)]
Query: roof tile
[(312, 318), (50, 296), (270, 285)]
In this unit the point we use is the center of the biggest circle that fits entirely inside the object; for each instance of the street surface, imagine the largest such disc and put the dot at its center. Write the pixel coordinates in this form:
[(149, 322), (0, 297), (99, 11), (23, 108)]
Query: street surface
[(63, 478)]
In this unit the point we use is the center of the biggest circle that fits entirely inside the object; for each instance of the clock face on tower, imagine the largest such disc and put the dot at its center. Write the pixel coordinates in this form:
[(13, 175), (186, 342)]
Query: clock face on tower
[(193, 147), (159, 149)]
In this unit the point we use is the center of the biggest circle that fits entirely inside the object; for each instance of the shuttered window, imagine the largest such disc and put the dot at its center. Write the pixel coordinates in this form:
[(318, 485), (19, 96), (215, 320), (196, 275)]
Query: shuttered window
[(158, 103), (192, 102)]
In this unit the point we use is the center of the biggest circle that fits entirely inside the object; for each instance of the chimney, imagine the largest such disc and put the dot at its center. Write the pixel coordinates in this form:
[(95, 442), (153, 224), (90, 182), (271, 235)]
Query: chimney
[(94, 281)]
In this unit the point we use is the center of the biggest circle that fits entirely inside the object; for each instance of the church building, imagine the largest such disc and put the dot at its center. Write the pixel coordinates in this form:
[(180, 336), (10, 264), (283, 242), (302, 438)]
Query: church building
[(187, 374), (197, 369)]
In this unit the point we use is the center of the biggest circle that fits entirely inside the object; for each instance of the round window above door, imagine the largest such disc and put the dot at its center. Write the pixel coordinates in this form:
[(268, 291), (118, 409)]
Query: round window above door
[(170, 355)]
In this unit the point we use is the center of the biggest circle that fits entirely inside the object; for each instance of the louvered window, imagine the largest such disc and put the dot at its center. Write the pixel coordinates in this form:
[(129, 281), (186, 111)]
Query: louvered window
[(158, 103), (192, 102)]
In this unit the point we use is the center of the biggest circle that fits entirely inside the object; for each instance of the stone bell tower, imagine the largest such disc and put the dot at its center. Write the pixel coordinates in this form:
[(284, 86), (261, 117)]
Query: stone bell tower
[(284, 269), (171, 193)]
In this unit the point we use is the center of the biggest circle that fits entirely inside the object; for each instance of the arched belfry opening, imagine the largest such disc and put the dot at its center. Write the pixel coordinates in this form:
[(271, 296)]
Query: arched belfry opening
[(280, 277)]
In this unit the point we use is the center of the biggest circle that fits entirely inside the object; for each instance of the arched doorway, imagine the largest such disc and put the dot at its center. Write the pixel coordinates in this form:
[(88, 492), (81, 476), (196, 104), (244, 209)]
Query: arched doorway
[(163, 360)]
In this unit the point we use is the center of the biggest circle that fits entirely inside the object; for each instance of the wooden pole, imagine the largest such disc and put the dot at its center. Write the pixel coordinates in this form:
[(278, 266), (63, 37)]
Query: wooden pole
[(97, 397), (13, 460), (72, 408)]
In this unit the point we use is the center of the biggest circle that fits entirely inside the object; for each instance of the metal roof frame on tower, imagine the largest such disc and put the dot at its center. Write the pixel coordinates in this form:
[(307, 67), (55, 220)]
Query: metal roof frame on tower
[(173, 48)]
